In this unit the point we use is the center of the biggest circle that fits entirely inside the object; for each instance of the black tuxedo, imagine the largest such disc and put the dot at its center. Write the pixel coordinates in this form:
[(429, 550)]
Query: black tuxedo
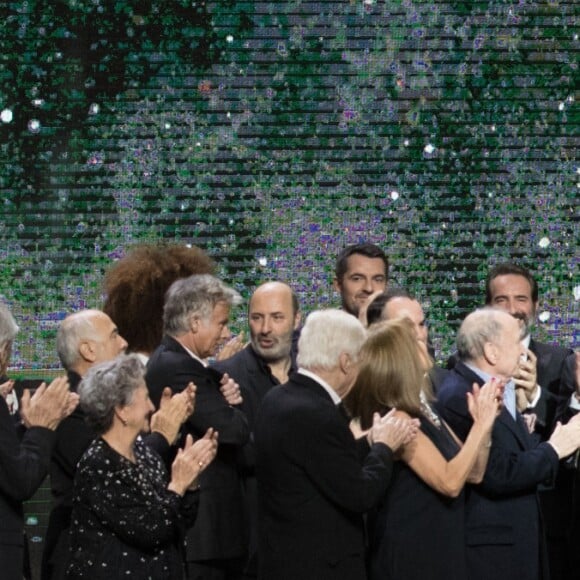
[(314, 484), (23, 467), (504, 532), (218, 533)]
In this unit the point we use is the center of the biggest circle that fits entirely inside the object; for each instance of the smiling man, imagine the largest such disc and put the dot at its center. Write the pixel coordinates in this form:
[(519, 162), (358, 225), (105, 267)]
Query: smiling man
[(195, 323), (361, 270)]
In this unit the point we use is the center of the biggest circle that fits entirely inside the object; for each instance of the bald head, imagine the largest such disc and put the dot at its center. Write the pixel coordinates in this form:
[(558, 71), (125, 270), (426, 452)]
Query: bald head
[(490, 339), (273, 315), (86, 338)]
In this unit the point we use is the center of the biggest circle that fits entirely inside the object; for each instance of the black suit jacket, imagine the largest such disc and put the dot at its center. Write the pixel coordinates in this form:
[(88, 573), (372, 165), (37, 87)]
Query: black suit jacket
[(23, 467), (504, 532), (219, 531), (313, 486)]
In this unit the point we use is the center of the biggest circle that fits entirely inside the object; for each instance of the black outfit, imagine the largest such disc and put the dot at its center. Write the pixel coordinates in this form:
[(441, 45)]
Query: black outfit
[(125, 522), (73, 437), (23, 467), (417, 533), (315, 482), (503, 525), (217, 540), (255, 379)]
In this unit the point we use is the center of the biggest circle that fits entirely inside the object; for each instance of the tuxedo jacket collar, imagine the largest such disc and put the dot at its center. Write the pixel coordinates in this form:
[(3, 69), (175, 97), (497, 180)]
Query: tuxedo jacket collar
[(172, 345), (311, 385)]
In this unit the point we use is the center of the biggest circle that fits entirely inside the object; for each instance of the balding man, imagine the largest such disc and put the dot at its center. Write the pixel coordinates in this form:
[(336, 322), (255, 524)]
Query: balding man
[(314, 480), (503, 527), (398, 303), (273, 317)]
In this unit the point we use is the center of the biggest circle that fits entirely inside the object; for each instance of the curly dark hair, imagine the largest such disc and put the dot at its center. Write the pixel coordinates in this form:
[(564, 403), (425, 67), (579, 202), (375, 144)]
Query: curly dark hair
[(135, 288)]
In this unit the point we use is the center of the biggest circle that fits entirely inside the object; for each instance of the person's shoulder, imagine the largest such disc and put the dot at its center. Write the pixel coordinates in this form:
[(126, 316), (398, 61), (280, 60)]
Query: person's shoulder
[(544, 348), (236, 363)]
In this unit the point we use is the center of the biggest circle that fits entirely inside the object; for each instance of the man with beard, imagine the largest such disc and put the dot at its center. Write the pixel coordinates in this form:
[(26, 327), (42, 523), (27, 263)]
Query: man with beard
[(361, 270), (268, 360), (545, 387), (545, 376)]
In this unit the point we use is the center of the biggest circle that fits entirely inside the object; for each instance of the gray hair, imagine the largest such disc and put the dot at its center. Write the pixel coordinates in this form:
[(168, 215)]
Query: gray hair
[(326, 335), (194, 296), (8, 327), (108, 385), (71, 332), (481, 326)]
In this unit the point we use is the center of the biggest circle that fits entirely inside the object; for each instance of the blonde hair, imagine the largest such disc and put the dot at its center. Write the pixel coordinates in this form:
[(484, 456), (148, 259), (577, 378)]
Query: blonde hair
[(391, 373)]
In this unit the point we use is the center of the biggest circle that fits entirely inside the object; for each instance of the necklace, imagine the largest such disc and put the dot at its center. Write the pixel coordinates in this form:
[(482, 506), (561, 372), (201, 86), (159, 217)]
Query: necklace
[(428, 411)]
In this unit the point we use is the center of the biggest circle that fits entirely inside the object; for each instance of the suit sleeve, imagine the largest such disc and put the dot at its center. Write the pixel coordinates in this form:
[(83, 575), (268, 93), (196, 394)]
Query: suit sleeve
[(521, 471), (332, 463), (23, 464), (212, 410)]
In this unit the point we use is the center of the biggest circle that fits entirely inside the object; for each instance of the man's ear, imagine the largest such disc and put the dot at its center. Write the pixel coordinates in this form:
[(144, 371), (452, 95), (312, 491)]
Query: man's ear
[(297, 320), (336, 284), (345, 362), (490, 353), (87, 351)]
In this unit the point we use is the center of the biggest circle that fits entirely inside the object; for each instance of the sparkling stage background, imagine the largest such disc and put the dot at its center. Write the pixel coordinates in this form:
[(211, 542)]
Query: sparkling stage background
[(272, 134)]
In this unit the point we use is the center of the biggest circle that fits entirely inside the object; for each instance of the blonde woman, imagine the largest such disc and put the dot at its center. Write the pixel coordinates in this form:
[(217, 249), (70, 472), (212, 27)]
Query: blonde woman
[(416, 532)]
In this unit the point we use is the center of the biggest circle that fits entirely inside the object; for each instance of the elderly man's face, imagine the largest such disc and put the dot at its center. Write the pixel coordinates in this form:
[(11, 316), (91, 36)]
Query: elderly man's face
[(363, 277), (210, 334), (509, 348), (272, 322), (513, 293), (107, 342)]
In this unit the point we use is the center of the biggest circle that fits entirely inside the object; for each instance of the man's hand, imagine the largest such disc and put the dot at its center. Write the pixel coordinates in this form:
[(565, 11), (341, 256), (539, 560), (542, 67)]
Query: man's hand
[(231, 347), (49, 405), (566, 438), (173, 412), (526, 380), (231, 390), (393, 431)]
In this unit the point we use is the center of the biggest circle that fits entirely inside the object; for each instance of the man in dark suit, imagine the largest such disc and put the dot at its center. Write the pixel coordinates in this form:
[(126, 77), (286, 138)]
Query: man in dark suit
[(273, 318), (195, 321), (24, 459), (314, 479), (504, 532)]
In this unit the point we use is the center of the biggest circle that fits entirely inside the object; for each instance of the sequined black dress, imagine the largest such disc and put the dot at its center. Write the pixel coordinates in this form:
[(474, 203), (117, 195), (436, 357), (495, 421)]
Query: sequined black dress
[(125, 523)]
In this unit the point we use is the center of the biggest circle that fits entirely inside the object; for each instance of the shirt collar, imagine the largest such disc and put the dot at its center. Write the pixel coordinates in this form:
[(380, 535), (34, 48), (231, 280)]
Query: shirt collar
[(331, 392)]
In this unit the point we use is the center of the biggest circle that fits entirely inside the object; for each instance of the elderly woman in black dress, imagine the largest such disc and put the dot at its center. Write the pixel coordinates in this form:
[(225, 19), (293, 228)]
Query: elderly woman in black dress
[(129, 516)]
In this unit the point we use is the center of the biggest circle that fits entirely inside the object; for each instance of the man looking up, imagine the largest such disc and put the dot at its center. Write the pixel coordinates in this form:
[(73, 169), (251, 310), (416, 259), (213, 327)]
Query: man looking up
[(273, 317), (361, 270), (504, 532)]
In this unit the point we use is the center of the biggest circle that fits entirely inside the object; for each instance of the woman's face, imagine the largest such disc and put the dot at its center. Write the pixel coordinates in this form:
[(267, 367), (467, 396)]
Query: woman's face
[(138, 411)]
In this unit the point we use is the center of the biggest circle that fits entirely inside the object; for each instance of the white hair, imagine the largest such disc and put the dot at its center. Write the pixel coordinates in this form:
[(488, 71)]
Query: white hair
[(326, 335)]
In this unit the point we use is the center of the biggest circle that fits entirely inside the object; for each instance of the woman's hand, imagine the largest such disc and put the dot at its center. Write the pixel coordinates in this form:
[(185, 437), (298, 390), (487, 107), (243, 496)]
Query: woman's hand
[(192, 460)]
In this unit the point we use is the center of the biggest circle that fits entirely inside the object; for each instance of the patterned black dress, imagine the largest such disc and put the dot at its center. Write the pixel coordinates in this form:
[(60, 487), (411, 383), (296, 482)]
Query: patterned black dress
[(125, 523), (417, 533)]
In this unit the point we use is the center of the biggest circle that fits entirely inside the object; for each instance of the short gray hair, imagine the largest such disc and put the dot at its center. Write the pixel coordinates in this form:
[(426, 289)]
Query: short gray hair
[(8, 327), (108, 385), (481, 326), (196, 295), (72, 331), (326, 335)]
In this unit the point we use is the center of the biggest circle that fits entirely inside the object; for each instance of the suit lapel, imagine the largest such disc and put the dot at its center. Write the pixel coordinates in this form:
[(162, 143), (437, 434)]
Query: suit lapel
[(517, 427)]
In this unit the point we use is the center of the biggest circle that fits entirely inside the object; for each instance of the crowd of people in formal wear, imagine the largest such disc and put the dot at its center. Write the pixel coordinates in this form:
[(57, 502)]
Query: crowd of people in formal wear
[(330, 448)]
